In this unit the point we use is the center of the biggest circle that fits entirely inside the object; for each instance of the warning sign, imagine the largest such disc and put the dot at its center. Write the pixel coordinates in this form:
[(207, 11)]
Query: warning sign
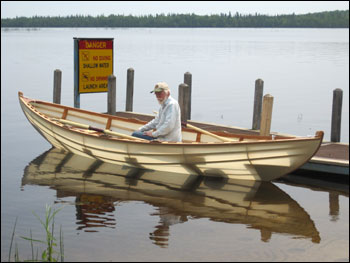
[(95, 64)]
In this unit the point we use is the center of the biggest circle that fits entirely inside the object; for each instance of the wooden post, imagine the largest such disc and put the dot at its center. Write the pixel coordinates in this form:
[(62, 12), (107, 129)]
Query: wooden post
[(57, 80), (259, 91), (184, 101), (336, 115), (266, 115), (188, 81), (76, 74), (129, 90), (111, 97)]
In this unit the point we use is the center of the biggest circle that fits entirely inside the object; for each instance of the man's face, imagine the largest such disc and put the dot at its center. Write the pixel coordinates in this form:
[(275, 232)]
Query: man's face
[(161, 96)]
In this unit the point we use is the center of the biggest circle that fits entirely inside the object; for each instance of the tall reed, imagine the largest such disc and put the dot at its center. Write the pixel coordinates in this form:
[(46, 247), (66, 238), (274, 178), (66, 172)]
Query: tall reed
[(48, 253)]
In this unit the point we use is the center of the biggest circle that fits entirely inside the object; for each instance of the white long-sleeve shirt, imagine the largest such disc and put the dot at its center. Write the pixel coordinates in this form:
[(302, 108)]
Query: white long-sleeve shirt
[(167, 122)]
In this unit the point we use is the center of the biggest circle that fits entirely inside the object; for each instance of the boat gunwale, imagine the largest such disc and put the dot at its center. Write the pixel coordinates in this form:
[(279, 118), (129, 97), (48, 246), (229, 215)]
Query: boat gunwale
[(278, 139)]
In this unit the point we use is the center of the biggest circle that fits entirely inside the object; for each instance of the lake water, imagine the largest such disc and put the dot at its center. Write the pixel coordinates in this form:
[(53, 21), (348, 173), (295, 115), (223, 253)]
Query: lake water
[(119, 214)]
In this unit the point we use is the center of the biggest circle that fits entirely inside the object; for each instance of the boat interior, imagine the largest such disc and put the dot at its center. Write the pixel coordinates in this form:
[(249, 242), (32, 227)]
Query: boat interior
[(128, 125)]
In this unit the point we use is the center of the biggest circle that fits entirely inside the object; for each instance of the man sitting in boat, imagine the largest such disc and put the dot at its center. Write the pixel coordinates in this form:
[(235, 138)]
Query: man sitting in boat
[(167, 123)]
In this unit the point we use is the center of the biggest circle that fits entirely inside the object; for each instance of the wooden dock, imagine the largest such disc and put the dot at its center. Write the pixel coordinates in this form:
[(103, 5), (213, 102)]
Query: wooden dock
[(330, 162), (332, 158)]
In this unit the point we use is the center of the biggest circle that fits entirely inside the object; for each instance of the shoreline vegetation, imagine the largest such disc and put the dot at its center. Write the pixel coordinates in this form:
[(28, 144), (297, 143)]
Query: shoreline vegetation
[(328, 19), (48, 253)]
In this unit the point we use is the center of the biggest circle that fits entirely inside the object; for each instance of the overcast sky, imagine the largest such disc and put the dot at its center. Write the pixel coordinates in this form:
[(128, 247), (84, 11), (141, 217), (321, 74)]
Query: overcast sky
[(10, 9)]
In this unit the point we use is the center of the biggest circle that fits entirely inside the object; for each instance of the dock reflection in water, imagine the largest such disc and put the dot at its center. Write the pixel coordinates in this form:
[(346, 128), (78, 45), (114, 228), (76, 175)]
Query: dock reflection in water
[(97, 186)]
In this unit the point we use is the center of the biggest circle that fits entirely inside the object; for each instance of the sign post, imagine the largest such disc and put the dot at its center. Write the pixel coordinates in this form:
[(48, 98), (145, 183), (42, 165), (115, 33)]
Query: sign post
[(93, 63)]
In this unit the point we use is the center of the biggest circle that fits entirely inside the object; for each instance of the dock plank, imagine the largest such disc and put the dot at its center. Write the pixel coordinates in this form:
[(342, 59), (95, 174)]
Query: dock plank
[(339, 151)]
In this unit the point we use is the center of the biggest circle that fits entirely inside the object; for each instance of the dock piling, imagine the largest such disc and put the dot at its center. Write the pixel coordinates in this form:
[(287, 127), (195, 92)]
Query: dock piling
[(336, 115), (258, 96), (129, 90), (57, 81), (111, 96), (188, 81), (184, 101), (266, 115)]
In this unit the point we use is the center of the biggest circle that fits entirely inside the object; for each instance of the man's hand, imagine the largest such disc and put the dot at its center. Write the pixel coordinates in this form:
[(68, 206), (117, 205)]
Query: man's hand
[(148, 133)]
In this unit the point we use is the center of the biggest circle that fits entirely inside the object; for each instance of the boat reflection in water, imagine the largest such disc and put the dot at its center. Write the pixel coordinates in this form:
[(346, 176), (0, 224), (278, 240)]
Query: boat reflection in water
[(97, 186)]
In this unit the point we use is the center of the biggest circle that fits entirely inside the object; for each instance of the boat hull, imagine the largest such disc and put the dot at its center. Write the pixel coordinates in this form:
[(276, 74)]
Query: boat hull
[(261, 160)]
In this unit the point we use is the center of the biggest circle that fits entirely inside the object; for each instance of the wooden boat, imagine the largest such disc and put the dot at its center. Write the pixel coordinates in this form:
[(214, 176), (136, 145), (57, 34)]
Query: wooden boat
[(97, 186), (107, 138)]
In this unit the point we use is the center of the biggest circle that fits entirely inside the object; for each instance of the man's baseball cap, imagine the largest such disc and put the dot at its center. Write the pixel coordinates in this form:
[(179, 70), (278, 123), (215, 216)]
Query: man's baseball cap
[(160, 86)]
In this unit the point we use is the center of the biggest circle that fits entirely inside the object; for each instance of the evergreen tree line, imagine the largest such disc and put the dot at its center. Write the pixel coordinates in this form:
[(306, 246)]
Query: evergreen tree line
[(331, 19)]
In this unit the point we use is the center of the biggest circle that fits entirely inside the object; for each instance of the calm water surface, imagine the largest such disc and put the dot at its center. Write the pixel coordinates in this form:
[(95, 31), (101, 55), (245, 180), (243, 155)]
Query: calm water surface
[(123, 214)]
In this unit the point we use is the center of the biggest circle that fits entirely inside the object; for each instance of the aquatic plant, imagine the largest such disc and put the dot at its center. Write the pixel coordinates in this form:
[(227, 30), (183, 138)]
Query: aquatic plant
[(48, 253)]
